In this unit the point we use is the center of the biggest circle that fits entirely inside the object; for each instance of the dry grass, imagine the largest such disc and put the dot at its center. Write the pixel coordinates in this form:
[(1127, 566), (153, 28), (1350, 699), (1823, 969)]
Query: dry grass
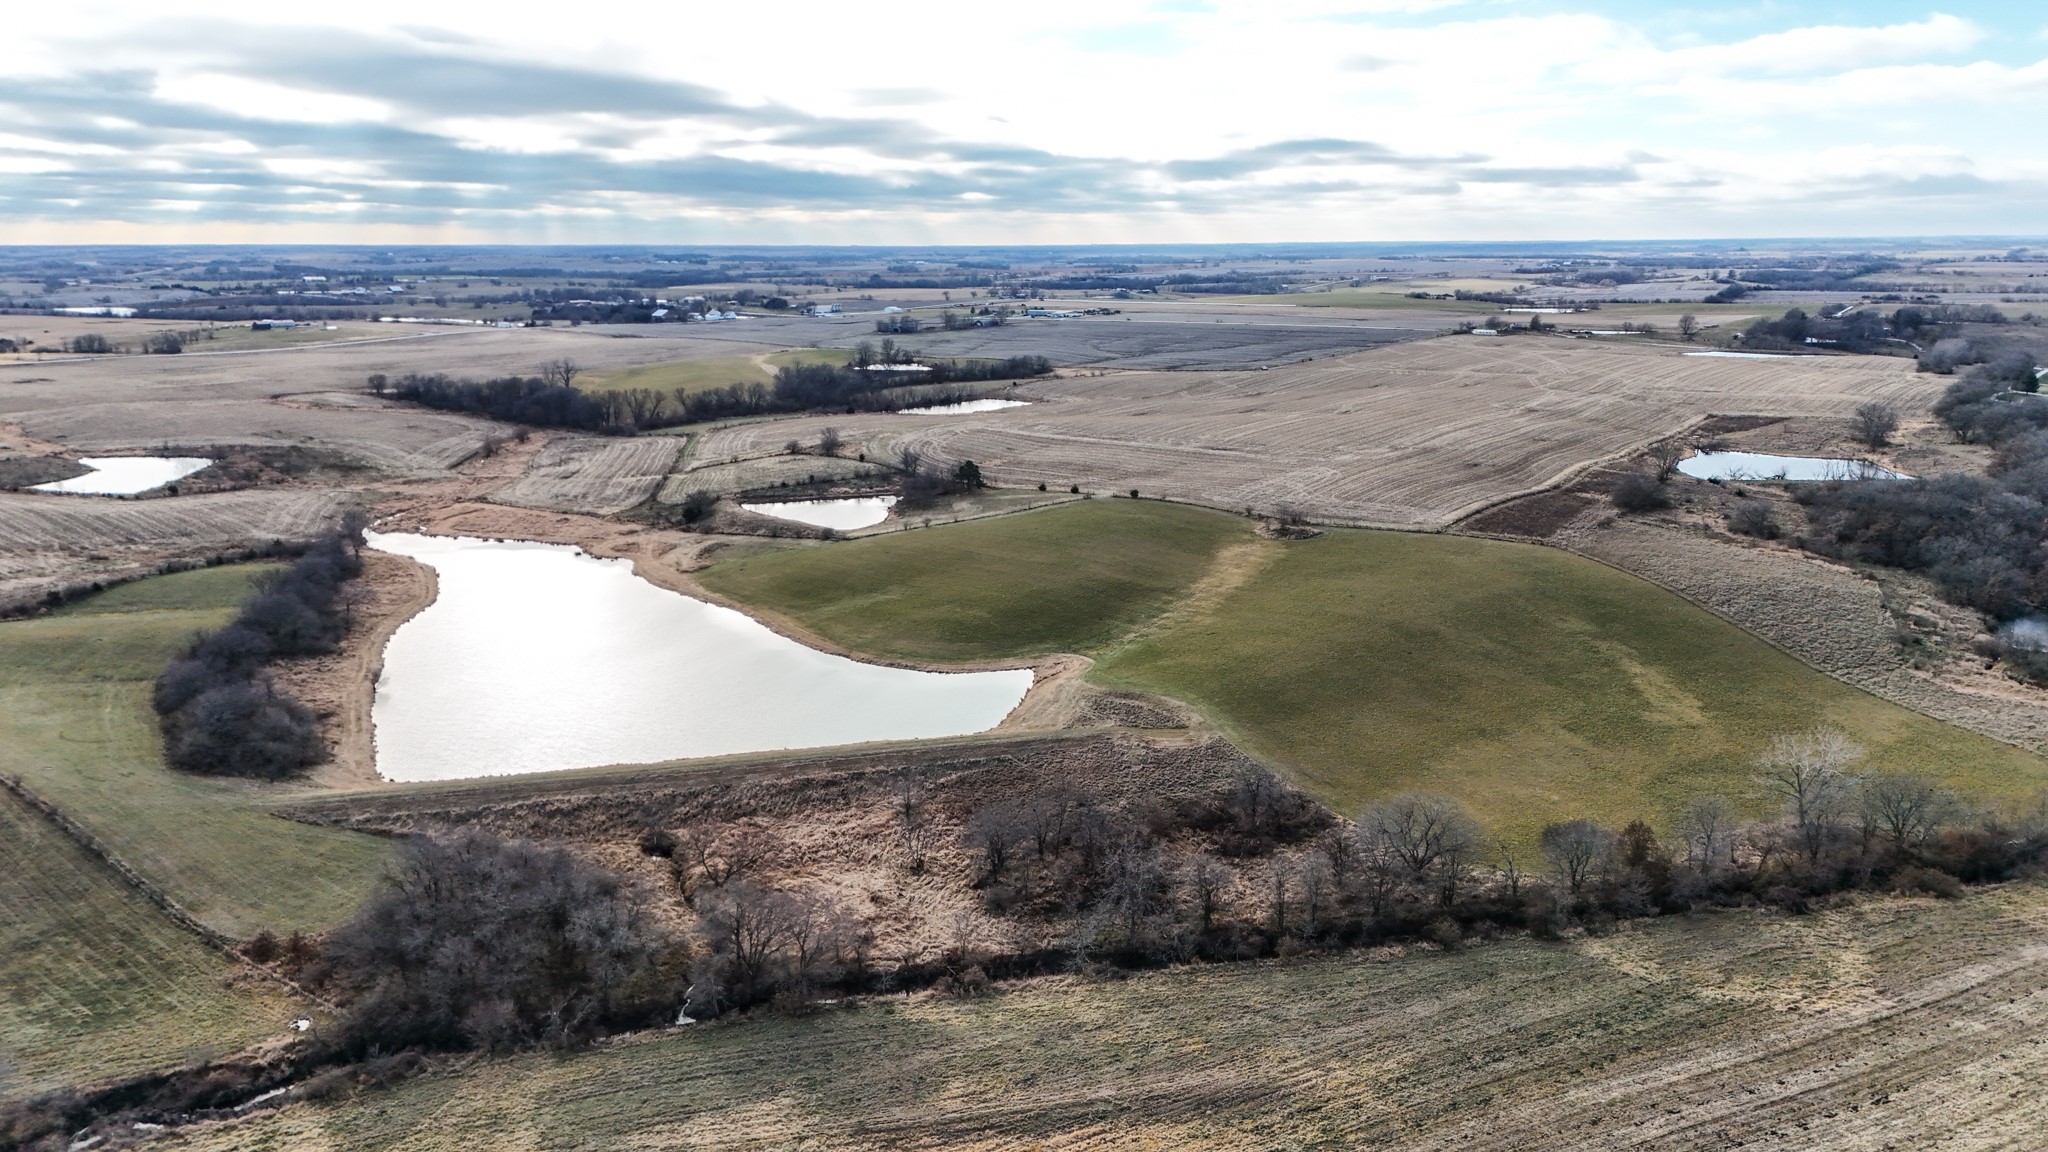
[(1414, 435), (592, 475), (1887, 1024)]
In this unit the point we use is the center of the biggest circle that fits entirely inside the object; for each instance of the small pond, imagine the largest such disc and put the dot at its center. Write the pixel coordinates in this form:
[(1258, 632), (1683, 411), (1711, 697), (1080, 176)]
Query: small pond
[(2028, 632), (1761, 466), (964, 407), (125, 475), (844, 514), (536, 657), (1744, 355)]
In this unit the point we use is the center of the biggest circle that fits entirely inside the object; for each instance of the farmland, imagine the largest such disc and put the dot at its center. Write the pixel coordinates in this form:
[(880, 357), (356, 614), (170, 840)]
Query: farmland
[(1856, 1029), (1182, 647), (1415, 435), (76, 726), (589, 474), (1064, 580), (1531, 684), (48, 540), (98, 984), (695, 375)]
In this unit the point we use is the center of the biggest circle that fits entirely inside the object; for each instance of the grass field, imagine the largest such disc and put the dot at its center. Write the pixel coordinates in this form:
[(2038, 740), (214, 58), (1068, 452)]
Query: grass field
[(1532, 684), (95, 983), (76, 726), (712, 372), (1857, 1029), (1068, 580)]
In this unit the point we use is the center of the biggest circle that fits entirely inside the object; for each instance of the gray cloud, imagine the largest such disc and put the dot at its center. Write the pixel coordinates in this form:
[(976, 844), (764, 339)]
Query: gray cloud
[(117, 135)]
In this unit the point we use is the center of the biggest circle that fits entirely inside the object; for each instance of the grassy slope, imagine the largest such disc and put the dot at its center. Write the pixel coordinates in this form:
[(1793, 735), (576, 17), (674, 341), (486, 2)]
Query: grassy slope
[(95, 983), (1063, 580), (712, 372), (1694, 1032), (75, 724), (1533, 684)]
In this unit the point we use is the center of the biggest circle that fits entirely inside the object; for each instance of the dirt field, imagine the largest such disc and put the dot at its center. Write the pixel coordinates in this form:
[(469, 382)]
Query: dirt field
[(1891, 1024), (49, 540), (1411, 436), (592, 474)]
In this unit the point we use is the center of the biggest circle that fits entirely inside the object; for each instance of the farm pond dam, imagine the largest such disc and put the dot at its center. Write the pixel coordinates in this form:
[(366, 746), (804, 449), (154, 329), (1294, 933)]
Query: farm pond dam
[(536, 657)]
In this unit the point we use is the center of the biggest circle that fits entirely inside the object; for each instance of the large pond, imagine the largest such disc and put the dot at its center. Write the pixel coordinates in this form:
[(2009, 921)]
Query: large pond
[(844, 514), (1762, 466), (538, 656), (1744, 355), (964, 407), (125, 475)]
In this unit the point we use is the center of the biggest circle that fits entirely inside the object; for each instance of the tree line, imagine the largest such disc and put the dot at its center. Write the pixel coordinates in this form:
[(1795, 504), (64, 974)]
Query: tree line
[(220, 713), (481, 943), (551, 400)]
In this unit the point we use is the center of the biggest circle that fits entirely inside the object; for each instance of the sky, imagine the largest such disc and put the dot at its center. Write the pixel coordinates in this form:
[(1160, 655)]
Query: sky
[(1052, 122)]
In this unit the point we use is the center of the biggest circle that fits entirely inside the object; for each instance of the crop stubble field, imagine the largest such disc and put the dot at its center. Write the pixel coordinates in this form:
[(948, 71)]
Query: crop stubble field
[(1410, 436), (592, 475), (1861, 1028), (67, 537)]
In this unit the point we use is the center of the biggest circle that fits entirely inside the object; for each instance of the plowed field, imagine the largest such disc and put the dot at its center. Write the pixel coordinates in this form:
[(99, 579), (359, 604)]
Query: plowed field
[(1412, 436)]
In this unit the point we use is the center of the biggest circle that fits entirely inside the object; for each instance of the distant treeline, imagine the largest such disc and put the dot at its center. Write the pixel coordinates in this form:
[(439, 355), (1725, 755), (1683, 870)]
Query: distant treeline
[(219, 711), (512, 399), (797, 388)]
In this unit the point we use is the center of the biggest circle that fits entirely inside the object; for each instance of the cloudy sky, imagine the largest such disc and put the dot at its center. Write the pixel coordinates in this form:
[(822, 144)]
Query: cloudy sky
[(1041, 122)]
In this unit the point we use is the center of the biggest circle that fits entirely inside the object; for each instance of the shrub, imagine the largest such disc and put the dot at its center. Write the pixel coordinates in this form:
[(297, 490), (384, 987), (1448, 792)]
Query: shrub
[(480, 943), (219, 714), (1753, 518), (1639, 492)]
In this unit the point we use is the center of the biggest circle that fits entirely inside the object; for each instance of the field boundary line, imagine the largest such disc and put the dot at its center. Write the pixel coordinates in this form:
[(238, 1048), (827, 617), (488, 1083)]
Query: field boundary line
[(94, 848)]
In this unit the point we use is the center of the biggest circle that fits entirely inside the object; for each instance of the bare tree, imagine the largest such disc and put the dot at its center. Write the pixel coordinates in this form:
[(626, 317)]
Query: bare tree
[(1666, 455), (1318, 890), (829, 442), (1688, 326), (1908, 809), (909, 460), (1048, 820), (1418, 828), (1509, 862), (749, 926), (1875, 423), (643, 405), (1575, 850), (916, 831), (1338, 845), (1136, 887), (1708, 829), (991, 835), (736, 853), (560, 373), (1805, 771), (1207, 879)]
